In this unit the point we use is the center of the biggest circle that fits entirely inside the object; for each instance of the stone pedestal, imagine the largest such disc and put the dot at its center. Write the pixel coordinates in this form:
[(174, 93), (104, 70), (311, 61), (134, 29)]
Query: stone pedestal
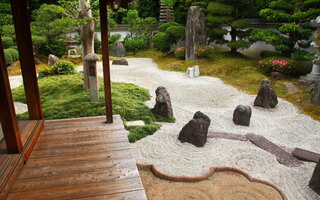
[(312, 77), (196, 32), (91, 60)]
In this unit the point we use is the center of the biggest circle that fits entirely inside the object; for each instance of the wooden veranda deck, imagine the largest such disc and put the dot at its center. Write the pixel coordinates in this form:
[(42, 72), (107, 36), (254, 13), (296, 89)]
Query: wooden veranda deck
[(80, 159)]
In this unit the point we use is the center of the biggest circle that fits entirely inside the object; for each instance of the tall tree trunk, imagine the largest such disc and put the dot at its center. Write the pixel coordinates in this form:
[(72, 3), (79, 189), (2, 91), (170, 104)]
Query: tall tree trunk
[(233, 34), (87, 37)]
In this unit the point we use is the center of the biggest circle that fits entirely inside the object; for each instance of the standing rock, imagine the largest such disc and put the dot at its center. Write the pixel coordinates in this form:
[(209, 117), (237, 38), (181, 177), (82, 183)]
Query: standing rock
[(277, 76), (266, 98), (52, 60), (196, 130), (315, 180), (117, 49), (315, 94), (120, 62), (163, 103), (242, 115), (196, 32)]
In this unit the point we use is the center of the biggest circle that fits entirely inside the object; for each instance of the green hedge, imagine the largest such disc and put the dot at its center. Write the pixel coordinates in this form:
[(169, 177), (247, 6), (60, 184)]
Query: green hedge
[(266, 53), (7, 42), (8, 57), (14, 54), (60, 68)]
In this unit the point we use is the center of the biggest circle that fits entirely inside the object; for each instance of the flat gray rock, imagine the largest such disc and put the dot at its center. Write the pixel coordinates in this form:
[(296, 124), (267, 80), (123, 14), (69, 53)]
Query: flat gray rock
[(306, 155), (230, 136), (283, 156)]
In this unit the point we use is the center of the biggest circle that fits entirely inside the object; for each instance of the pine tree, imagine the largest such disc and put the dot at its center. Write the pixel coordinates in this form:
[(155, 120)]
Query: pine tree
[(232, 13)]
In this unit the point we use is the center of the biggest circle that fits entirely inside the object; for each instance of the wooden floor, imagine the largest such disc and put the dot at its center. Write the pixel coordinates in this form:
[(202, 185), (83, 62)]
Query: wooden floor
[(80, 159)]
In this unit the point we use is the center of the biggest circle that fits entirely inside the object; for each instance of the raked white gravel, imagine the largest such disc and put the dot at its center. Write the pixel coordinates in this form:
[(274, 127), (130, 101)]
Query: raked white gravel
[(283, 125)]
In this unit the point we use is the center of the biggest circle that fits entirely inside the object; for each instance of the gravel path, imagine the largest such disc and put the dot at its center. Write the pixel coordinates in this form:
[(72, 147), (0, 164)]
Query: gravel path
[(283, 126)]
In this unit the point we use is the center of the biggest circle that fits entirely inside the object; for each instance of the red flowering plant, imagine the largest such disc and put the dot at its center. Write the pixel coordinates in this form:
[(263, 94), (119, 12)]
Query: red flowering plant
[(180, 52), (204, 51), (276, 64)]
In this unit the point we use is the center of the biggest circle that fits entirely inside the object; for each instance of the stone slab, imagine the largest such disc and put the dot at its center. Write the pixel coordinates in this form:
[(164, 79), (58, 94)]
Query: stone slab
[(135, 123), (306, 155), (283, 157), (230, 136)]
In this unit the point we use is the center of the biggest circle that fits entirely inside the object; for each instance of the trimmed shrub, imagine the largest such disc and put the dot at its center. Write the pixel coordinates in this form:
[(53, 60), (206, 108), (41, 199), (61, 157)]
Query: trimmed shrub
[(303, 55), (7, 42), (97, 44), (114, 38), (135, 44), (180, 53), (277, 64), (161, 41), (53, 45), (266, 53), (8, 57), (204, 51), (164, 27), (61, 68), (14, 54)]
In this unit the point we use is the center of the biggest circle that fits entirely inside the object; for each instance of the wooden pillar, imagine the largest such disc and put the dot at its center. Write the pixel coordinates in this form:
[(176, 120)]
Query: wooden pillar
[(105, 59), (7, 112), (24, 41)]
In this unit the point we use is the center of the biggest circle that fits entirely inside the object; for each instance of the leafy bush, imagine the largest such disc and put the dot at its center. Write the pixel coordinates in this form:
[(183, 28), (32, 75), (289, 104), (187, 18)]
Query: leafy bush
[(60, 68), (135, 44), (180, 53), (161, 41), (114, 38), (97, 44), (267, 53), (8, 57), (7, 42), (14, 54), (54, 45), (303, 55), (204, 51), (277, 64), (164, 26)]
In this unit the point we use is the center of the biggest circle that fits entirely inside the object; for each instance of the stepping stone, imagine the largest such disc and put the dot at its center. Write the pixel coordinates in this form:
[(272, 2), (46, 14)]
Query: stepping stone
[(292, 89), (135, 123), (230, 136), (315, 180), (306, 155), (283, 156)]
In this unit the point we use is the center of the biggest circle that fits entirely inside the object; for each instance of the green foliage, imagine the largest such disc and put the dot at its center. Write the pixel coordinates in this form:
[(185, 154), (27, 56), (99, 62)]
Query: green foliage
[(262, 4), (219, 9), (7, 42), (241, 24), (8, 31), (303, 55), (97, 44), (114, 38), (53, 45), (162, 42), (148, 8), (274, 15), (266, 53), (5, 14), (8, 57), (60, 68), (177, 32), (239, 44), (164, 26), (135, 44), (139, 132), (14, 54), (282, 5), (38, 42), (204, 51), (180, 53)]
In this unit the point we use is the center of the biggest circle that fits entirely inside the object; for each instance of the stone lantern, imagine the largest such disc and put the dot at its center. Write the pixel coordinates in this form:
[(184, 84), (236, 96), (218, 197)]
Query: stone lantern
[(314, 75), (91, 60), (71, 48)]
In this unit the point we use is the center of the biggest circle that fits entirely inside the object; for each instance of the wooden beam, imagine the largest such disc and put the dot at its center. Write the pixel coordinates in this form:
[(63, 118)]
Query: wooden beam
[(7, 112), (24, 41), (105, 59)]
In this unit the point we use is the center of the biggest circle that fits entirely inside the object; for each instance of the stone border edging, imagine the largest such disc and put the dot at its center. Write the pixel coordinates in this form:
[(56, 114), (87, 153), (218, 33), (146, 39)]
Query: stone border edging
[(205, 176)]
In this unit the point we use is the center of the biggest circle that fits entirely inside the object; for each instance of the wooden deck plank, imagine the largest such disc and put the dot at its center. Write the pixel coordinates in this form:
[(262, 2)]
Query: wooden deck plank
[(103, 175), (79, 149), (80, 158), (79, 191), (61, 170), (134, 195)]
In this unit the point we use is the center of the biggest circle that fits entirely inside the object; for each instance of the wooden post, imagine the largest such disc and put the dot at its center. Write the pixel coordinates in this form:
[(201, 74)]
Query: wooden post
[(105, 59), (7, 112), (24, 41)]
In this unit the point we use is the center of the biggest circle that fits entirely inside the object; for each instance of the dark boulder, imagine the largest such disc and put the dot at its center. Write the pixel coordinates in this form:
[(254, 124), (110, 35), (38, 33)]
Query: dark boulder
[(315, 94), (315, 179), (266, 97), (196, 130), (120, 62), (117, 49), (242, 115), (163, 103)]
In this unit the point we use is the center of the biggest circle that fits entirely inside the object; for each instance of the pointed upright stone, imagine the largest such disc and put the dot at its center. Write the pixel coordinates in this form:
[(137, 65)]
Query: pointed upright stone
[(266, 97), (163, 103), (196, 32)]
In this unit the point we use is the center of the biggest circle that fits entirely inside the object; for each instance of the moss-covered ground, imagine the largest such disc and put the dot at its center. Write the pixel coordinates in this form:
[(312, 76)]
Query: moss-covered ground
[(64, 97), (239, 71)]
